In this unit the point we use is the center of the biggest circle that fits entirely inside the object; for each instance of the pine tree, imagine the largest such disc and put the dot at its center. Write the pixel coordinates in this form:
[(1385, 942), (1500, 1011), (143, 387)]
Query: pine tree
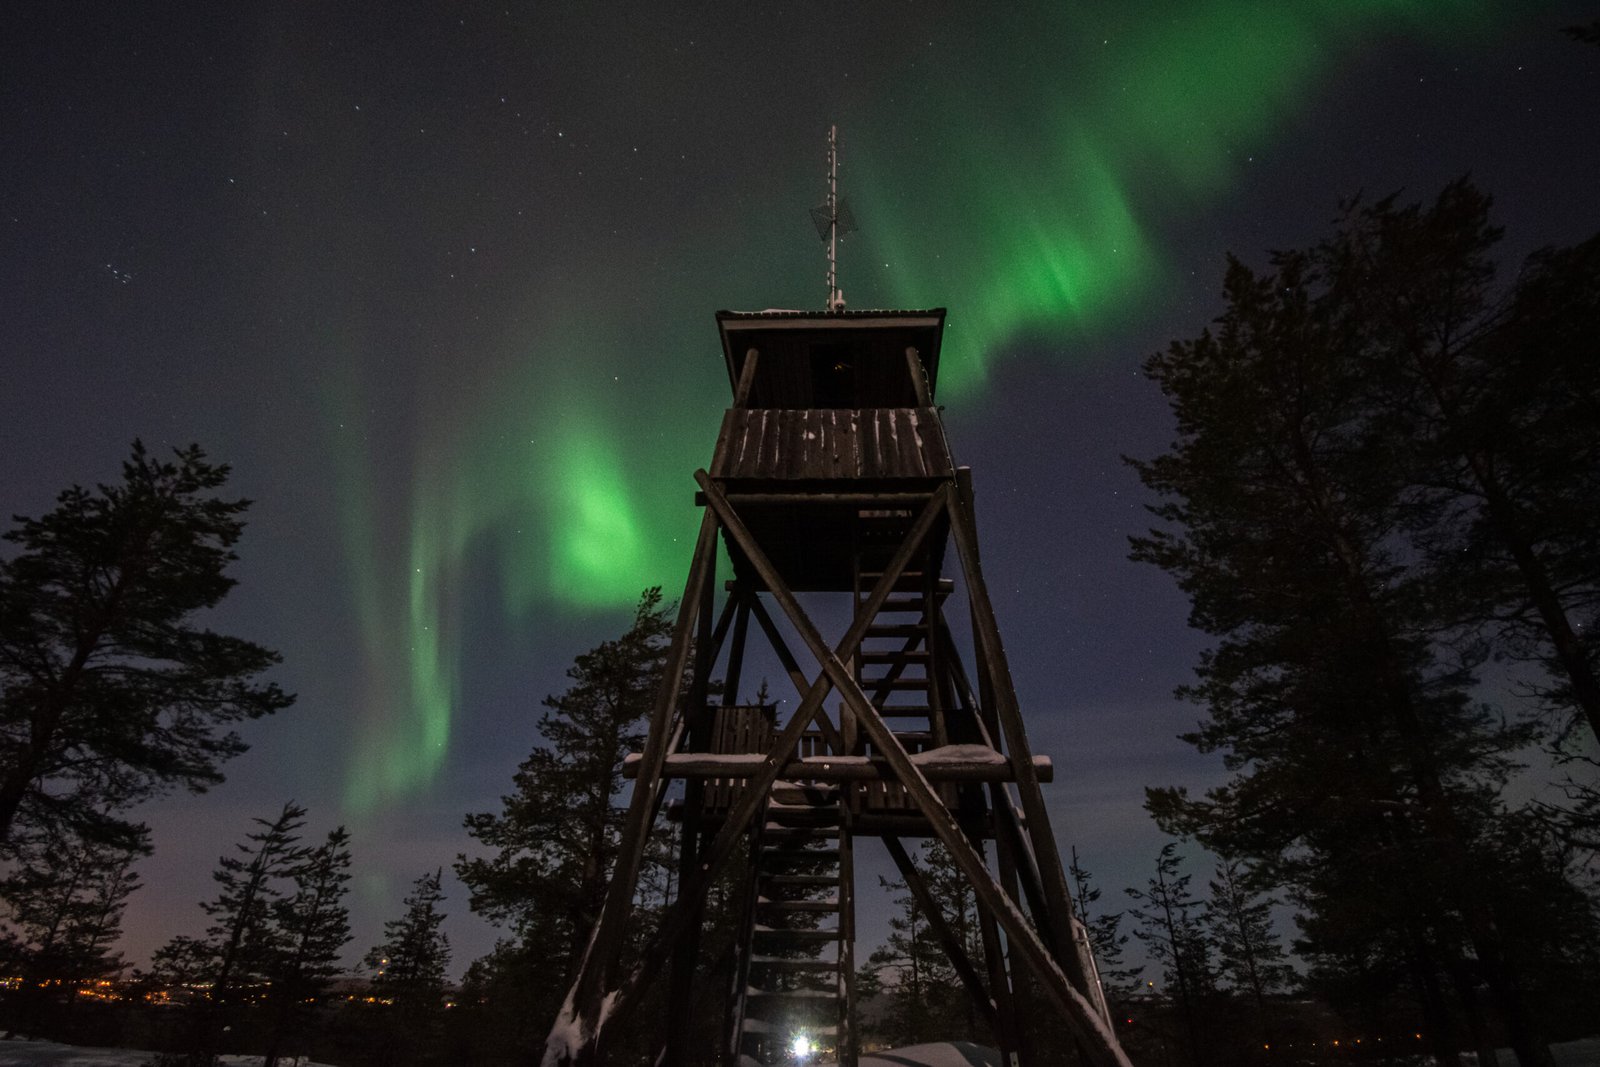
[(1360, 763), (554, 841), (1106, 938), (1170, 928), (109, 691), (313, 925), (1487, 405), (409, 975)]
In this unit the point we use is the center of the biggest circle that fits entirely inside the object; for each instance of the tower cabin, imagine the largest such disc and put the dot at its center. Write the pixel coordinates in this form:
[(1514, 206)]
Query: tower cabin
[(831, 408)]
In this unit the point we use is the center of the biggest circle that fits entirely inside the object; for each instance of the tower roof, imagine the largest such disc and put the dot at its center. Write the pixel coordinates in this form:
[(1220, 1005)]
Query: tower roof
[(779, 332)]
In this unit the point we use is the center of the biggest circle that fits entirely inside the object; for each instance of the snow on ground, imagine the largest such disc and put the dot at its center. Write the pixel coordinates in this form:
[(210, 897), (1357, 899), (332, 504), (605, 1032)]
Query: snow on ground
[(50, 1054), (942, 1054), (1585, 1053)]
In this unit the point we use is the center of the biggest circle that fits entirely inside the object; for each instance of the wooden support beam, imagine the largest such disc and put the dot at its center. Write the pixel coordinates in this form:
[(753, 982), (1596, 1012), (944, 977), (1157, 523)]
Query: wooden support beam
[(747, 378), (752, 799), (680, 992), (741, 628), (572, 1040), (829, 498), (1080, 1015), (954, 950), (986, 634), (698, 766), (848, 1039), (791, 667), (919, 377)]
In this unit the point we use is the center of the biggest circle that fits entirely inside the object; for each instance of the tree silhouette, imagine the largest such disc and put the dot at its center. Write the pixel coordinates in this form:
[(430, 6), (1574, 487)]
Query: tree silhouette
[(109, 689), (1324, 456), (408, 975)]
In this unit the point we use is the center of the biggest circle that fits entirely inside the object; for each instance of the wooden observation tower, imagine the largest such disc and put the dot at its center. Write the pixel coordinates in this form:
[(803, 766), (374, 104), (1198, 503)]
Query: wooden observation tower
[(832, 482)]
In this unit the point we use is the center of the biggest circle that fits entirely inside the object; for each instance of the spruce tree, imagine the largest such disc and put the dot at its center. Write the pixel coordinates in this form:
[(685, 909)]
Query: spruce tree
[(409, 976), (64, 907), (1168, 918), (243, 943), (1249, 953), (1104, 928), (912, 969), (313, 926)]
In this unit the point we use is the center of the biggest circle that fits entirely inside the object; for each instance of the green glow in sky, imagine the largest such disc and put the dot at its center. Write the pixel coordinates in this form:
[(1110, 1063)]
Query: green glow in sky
[(1032, 209)]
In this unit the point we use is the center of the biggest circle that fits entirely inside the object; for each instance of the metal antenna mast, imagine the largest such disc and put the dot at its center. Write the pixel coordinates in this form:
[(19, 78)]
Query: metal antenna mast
[(833, 220)]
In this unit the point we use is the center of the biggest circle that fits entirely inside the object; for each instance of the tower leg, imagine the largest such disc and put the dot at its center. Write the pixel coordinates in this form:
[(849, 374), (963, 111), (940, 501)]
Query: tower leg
[(574, 1039)]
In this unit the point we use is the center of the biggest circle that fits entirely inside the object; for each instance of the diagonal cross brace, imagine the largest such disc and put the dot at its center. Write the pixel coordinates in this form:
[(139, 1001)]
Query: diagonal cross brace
[(576, 1034), (1088, 1027)]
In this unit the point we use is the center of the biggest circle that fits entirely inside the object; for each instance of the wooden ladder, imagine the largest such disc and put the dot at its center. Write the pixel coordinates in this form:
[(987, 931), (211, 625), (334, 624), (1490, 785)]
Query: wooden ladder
[(795, 975)]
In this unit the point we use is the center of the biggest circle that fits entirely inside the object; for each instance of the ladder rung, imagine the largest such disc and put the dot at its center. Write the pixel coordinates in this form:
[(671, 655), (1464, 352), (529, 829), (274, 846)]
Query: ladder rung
[(916, 655), (823, 906), (911, 740), (783, 963), (781, 833), (897, 629), (772, 934), (802, 879), (944, 586), (902, 604), (796, 796), (898, 685), (801, 855)]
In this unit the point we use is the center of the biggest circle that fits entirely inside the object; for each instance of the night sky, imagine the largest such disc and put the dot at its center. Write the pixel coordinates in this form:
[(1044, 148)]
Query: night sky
[(438, 281)]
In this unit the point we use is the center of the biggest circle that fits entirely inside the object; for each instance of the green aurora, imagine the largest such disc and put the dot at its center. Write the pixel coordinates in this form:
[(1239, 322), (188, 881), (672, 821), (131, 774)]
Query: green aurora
[(565, 471)]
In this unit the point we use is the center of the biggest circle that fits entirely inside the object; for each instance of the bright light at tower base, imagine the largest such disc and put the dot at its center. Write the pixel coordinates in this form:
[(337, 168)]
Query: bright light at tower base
[(801, 1047)]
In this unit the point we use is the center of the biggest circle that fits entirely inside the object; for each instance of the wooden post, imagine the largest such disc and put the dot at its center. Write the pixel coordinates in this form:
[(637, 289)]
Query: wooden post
[(680, 993), (992, 655), (741, 627), (572, 1039), (747, 379)]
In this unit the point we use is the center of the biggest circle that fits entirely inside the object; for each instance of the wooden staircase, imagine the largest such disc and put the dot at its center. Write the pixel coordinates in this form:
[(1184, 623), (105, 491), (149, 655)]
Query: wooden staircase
[(795, 976)]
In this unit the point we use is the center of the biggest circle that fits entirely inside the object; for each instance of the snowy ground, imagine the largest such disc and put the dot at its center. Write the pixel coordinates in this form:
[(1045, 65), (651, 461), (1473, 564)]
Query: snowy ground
[(50, 1054), (943, 1054), (1585, 1053)]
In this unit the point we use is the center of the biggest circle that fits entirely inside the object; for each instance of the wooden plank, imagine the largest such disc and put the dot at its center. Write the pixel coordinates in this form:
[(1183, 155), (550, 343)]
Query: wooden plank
[(830, 767), (867, 444)]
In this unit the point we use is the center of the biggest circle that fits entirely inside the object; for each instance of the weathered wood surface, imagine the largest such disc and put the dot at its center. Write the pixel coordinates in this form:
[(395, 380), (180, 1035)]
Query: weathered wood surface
[(822, 444), (734, 770)]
